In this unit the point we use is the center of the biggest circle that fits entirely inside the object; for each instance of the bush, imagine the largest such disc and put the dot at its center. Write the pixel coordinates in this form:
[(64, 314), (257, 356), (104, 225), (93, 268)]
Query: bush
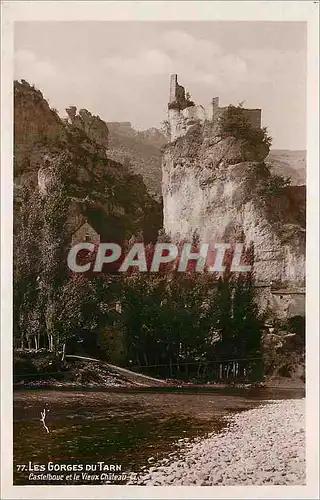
[(274, 184), (234, 122)]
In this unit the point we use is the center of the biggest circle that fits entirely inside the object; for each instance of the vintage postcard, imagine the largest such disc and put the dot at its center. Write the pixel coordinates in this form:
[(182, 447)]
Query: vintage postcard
[(159, 249)]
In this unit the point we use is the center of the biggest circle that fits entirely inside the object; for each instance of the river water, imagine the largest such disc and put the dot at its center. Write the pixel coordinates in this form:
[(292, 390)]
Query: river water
[(127, 428)]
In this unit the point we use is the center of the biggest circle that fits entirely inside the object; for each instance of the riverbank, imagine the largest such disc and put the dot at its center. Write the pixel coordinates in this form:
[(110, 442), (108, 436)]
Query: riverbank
[(43, 369), (265, 445), (131, 427)]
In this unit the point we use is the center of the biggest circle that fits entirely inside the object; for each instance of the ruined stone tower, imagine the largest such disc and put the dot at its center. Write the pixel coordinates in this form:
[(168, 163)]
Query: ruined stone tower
[(183, 113), (177, 97)]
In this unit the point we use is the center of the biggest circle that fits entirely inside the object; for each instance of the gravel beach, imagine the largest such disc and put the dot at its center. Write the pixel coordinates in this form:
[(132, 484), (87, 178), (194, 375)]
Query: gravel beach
[(265, 445)]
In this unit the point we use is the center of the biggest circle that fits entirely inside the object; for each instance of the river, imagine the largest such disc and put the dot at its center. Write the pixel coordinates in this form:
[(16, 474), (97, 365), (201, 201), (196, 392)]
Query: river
[(127, 428)]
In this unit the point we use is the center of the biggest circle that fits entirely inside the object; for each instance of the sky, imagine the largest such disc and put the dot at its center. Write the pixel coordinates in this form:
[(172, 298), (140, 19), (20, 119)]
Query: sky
[(120, 70)]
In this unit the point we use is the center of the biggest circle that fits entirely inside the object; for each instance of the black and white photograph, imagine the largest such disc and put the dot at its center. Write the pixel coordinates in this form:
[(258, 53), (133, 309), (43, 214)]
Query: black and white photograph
[(159, 250)]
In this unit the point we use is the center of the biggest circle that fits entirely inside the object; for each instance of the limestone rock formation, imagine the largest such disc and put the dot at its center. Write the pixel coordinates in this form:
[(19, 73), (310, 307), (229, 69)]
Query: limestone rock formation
[(113, 200), (140, 151), (95, 128), (35, 123), (215, 184)]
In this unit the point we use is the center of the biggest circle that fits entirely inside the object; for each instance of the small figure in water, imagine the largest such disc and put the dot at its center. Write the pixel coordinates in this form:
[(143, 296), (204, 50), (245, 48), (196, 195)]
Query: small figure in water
[(43, 418)]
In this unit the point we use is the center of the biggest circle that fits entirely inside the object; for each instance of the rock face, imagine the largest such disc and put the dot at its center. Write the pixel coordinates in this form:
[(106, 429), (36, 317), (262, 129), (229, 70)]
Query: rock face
[(140, 151), (103, 192), (95, 128), (34, 124), (216, 185)]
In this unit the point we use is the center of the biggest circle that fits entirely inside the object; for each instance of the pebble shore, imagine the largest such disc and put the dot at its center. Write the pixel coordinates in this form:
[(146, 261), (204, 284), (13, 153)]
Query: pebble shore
[(262, 446)]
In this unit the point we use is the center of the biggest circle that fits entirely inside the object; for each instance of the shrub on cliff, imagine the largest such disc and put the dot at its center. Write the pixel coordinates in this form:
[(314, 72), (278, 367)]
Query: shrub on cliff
[(234, 122), (273, 184), (166, 129)]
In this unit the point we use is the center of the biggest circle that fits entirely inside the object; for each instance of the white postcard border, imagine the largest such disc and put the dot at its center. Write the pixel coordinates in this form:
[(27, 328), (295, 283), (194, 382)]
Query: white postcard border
[(161, 11)]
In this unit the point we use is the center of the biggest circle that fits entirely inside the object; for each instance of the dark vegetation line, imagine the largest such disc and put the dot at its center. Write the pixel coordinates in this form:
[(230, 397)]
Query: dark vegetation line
[(127, 368)]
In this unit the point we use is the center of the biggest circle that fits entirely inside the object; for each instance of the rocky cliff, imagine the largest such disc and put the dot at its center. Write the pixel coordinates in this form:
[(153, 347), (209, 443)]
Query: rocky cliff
[(114, 200), (140, 151), (95, 128), (216, 185)]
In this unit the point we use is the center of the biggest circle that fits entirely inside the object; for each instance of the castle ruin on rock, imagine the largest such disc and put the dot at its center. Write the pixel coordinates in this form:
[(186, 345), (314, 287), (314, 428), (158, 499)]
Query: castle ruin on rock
[(216, 185), (183, 113)]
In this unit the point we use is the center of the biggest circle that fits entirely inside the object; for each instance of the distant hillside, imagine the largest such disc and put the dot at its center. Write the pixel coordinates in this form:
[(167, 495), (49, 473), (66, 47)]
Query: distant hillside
[(140, 151), (289, 164)]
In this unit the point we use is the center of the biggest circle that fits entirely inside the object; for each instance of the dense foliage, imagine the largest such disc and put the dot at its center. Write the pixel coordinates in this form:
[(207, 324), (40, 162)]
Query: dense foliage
[(234, 122), (185, 325), (192, 325), (40, 259)]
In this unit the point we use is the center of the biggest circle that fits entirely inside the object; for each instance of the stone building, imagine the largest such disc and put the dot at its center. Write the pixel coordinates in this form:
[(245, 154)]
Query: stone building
[(282, 302), (183, 113), (85, 233)]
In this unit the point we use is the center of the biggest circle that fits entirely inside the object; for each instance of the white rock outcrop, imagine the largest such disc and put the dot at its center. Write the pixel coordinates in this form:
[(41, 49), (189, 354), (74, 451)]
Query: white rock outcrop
[(216, 185)]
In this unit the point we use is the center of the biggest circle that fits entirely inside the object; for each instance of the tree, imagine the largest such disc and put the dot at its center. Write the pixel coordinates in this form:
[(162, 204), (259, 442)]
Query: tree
[(247, 322), (235, 122), (54, 245), (26, 268)]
